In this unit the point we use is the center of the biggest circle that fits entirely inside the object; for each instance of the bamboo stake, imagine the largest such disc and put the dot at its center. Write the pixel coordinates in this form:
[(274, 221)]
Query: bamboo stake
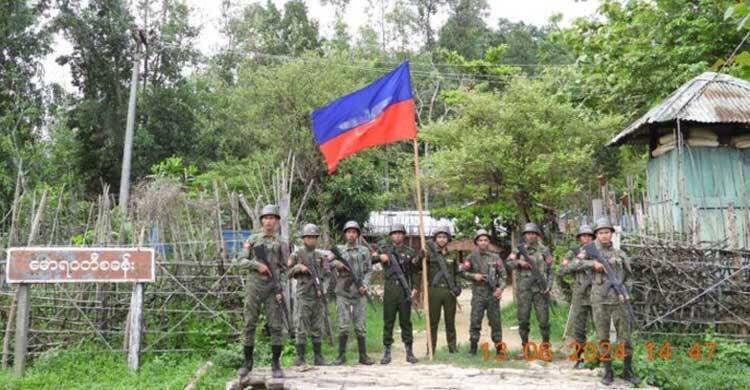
[(425, 287)]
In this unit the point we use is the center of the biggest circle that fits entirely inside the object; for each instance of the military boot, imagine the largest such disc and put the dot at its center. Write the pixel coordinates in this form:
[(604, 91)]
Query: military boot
[(300, 355), (386, 355), (410, 354), (473, 347), (276, 371), (579, 359), (362, 346), (318, 351), (342, 351), (609, 375), (627, 372), (247, 365)]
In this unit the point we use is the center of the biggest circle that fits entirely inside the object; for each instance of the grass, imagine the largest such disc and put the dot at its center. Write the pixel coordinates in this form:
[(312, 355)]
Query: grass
[(91, 366)]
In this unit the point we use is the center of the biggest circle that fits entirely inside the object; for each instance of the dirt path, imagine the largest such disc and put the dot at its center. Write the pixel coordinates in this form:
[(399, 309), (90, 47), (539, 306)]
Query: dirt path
[(401, 375), (510, 336)]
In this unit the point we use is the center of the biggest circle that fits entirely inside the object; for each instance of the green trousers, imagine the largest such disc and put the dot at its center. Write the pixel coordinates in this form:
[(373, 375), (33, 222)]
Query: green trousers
[(396, 302), (442, 299)]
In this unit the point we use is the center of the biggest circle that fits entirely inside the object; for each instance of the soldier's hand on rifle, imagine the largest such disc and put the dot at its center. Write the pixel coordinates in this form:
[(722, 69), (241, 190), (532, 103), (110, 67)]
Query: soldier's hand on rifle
[(480, 278), (498, 293), (363, 290), (279, 298), (384, 258), (546, 291), (340, 266), (303, 268), (524, 264), (598, 267), (414, 293), (263, 269)]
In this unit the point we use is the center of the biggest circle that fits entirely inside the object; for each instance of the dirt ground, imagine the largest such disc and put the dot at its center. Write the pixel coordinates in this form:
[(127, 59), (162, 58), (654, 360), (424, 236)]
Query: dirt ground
[(402, 375)]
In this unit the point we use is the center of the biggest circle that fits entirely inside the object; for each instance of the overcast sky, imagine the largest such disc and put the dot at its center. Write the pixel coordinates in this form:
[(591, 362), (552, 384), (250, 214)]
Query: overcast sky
[(206, 13)]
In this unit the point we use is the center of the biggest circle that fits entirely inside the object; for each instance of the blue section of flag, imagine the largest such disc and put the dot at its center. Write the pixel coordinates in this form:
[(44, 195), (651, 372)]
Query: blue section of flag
[(362, 106)]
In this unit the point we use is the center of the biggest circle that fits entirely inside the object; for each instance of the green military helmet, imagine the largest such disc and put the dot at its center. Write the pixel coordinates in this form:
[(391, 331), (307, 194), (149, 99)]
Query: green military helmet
[(441, 229), (396, 228), (480, 233), (531, 227), (310, 230), (352, 225), (603, 223), (270, 209), (585, 229)]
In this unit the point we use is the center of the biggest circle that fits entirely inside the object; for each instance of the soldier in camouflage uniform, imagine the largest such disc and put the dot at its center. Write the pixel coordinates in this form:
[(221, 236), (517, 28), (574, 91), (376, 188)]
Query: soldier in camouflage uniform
[(260, 289), (396, 300), (477, 269), (351, 302), (441, 296), (309, 300), (530, 290), (606, 303), (580, 302)]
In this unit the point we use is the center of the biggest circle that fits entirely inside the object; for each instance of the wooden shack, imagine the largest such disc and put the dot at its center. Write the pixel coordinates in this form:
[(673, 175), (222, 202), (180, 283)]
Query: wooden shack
[(699, 162)]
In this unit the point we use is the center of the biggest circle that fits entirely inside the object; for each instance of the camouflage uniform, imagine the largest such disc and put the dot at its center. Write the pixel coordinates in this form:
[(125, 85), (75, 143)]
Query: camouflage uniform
[(259, 289), (310, 307), (482, 299), (441, 296), (581, 270), (606, 306), (396, 300), (530, 292), (351, 305)]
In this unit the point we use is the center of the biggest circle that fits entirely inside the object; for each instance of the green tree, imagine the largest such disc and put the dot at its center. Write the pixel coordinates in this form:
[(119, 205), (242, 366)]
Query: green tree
[(26, 40), (466, 32), (516, 151)]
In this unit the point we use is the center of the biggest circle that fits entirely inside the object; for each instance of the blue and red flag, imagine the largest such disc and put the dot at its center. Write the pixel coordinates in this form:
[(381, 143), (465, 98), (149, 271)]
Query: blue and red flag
[(380, 113)]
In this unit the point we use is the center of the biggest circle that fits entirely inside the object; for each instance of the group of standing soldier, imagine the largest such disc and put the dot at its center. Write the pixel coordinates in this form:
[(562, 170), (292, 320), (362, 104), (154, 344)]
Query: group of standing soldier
[(268, 258)]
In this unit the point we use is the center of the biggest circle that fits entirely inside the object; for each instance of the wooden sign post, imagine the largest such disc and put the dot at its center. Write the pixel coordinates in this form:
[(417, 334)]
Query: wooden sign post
[(28, 265)]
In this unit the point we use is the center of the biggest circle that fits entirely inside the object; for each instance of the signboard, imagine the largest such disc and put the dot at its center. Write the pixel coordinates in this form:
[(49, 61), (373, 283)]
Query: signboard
[(80, 265)]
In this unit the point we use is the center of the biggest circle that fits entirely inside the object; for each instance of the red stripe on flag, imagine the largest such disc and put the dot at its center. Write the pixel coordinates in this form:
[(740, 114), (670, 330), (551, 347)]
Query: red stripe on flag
[(396, 123)]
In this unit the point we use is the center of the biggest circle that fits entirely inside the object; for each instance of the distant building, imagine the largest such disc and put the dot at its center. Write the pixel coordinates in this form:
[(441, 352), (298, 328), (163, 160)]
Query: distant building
[(699, 161)]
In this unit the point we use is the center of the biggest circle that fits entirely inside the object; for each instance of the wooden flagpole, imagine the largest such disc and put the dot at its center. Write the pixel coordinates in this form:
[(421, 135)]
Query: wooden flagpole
[(425, 289)]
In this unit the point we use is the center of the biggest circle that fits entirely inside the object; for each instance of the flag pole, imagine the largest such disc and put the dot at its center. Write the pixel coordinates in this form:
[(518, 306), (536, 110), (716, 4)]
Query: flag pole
[(425, 289)]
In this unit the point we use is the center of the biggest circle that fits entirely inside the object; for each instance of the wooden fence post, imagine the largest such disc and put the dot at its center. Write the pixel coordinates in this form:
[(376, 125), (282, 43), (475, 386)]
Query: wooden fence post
[(22, 328), (136, 326)]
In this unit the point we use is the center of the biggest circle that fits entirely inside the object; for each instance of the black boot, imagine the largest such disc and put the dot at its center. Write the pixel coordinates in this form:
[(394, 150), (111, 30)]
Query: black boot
[(300, 355), (579, 359), (318, 351), (627, 372), (410, 354), (342, 351), (452, 348), (362, 346), (609, 375), (473, 347), (276, 371), (386, 355), (247, 365)]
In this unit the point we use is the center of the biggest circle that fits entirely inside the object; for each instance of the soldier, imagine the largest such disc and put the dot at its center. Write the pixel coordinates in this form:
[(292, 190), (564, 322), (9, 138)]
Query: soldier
[(398, 292), (534, 279), (263, 289), (581, 302), (350, 300), (606, 303), (482, 269), (305, 262), (441, 275)]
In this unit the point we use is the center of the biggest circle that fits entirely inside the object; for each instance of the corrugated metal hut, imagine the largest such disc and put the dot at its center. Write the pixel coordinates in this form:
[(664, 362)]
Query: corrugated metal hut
[(699, 161)]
